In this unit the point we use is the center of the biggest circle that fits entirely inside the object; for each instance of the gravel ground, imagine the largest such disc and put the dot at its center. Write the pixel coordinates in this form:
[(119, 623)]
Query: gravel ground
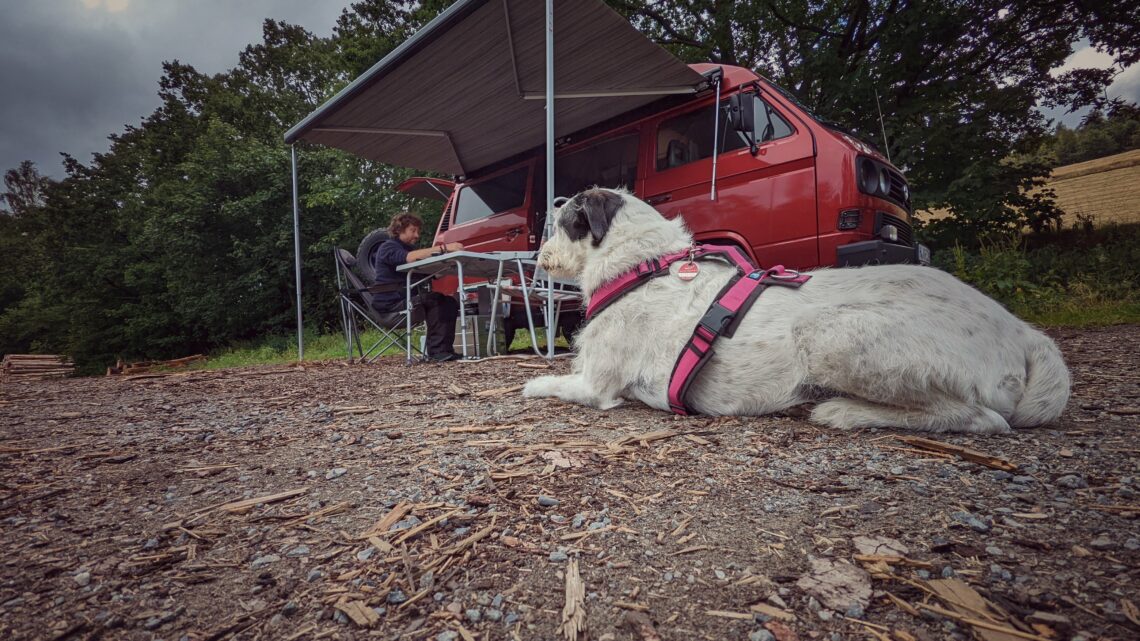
[(332, 501)]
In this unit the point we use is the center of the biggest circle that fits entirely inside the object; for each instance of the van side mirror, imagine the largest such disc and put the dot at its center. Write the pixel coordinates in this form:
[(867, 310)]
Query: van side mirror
[(742, 115)]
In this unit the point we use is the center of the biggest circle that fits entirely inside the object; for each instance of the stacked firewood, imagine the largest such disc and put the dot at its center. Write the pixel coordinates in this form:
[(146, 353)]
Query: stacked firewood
[(27, 367), (144, 367)]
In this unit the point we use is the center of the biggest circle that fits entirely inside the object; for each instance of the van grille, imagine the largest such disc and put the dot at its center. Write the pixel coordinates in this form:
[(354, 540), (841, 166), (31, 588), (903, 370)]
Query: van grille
[(906, 234), (897, 189)]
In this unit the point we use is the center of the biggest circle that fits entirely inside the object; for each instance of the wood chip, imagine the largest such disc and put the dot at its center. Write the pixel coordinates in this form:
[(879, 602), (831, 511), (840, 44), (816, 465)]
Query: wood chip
[(391, 518), (970, 607), (499, 391), (772, 611), (574, 611), (966, 453), (725, 614), (359, 612), (238, 507), (640, 624)]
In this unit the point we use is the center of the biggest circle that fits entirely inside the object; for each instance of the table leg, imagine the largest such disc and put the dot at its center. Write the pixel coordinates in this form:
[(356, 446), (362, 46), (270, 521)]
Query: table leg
[(462, 309)]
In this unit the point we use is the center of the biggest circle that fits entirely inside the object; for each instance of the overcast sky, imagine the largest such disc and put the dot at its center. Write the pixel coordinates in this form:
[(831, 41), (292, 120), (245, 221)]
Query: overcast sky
[(74, 71)]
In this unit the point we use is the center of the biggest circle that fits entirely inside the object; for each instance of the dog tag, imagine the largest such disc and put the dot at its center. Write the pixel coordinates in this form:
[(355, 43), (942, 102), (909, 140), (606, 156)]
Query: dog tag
[(688, 271)]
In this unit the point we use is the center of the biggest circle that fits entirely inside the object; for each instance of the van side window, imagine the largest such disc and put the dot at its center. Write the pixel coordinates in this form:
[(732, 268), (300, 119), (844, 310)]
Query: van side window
[(492, 196), (612, 163), (689, 137)]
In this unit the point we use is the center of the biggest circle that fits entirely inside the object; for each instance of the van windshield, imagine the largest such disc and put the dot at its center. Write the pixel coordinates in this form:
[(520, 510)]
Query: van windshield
[(492, 196)]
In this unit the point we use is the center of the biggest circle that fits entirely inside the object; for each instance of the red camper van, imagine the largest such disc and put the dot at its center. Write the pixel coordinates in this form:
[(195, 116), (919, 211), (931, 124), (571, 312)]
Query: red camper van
[(753, 168)]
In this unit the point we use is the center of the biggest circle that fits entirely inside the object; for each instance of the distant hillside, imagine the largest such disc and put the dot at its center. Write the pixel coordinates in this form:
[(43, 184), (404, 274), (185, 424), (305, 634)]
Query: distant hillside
[(1105, 190)]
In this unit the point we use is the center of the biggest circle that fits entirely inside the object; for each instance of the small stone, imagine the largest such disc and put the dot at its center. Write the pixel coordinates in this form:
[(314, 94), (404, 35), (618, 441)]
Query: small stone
[(263, 561), (1000, 475), (83, 579), (497, 602), (974, 523), (1099, 543), (720, 574), (447, 635), (1132, 544), (547, 501), (340, 617), (1072, 481), (313, 575), (947, 572), (855, 611), (150, 544), (396, 597), (366, 553), (761, 635), (493, 614), (777, 601), (300, 550), (335, 473), (559, 556), (993, 550), (1021, 479), (473, 615)]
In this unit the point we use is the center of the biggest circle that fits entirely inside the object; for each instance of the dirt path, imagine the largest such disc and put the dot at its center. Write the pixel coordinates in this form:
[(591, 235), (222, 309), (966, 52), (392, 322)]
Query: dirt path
[(407, 505)]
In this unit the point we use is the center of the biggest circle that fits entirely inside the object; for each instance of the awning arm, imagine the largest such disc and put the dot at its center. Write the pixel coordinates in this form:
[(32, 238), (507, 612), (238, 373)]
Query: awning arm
[(613, 93)]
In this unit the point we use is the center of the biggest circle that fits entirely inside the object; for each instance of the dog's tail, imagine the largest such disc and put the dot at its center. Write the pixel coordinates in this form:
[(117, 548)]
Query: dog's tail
[(1046, 386)]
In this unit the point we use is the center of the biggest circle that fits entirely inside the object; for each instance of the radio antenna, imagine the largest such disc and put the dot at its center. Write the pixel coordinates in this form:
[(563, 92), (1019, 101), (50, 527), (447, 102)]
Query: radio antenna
[(886, 147)]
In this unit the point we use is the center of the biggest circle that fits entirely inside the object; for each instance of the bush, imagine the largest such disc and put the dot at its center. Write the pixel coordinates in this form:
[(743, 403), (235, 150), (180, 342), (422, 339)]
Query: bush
[(1075, 278)]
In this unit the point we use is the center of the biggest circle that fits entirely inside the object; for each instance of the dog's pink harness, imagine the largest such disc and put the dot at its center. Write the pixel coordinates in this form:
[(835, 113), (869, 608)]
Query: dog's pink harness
[(720, 319)]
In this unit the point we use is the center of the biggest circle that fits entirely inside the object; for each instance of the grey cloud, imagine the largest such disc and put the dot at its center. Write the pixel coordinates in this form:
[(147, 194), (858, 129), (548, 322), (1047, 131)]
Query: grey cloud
[(71, 76)]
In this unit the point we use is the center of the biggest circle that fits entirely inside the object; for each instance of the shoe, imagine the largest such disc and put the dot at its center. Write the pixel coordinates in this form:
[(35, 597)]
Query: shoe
[(444, 357)]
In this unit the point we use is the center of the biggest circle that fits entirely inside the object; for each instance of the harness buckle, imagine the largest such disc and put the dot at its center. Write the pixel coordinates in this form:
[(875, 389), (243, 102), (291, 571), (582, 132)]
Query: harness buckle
[(716, 319)]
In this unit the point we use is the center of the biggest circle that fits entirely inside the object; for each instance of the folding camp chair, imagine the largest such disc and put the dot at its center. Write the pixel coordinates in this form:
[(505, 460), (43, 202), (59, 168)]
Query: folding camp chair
[(534, 292), (355, 299)]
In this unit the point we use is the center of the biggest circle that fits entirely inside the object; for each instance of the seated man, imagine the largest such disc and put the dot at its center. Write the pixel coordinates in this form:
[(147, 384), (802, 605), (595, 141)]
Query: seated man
[(439, 310)]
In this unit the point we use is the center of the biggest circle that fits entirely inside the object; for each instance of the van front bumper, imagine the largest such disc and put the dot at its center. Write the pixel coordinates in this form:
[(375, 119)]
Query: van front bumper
[(879, 252)]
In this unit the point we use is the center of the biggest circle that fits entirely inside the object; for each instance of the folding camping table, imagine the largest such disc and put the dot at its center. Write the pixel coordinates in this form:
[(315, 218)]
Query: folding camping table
[(492, 266)]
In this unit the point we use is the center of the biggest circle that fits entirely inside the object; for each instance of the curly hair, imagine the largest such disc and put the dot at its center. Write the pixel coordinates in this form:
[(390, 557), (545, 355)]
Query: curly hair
[(400, 222)]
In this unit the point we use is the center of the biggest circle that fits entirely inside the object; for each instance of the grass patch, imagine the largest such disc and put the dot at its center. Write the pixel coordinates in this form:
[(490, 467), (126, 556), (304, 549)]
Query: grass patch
[(282, 349)]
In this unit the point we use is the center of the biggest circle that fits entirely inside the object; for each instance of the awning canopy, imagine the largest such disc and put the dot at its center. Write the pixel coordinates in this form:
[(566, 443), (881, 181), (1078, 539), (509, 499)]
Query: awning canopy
[(468, 89)]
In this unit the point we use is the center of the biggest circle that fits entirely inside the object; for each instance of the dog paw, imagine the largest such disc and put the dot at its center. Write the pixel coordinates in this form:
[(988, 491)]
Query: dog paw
[(540, 387)]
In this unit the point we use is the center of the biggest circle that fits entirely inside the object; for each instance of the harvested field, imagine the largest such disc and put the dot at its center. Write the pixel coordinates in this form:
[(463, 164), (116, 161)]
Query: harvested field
[(330, 501), (1105, 191)]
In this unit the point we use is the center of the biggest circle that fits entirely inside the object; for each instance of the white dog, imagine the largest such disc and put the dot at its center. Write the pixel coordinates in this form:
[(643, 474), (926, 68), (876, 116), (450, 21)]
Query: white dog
[(883, 346)]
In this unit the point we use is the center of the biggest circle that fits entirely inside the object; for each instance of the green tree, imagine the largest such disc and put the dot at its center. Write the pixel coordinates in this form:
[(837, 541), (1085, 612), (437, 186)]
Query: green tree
[(957, 81)]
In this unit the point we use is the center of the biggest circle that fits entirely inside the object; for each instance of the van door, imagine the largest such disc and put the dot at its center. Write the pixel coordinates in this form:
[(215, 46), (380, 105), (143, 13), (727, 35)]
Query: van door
[(766, 201), (490, 214)]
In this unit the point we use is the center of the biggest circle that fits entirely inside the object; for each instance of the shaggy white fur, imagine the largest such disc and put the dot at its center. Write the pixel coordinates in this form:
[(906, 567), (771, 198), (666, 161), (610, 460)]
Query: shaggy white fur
[(882, 346)]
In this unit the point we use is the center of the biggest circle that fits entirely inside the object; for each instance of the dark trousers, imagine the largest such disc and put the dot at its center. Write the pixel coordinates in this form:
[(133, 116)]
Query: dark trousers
[(440, 313)]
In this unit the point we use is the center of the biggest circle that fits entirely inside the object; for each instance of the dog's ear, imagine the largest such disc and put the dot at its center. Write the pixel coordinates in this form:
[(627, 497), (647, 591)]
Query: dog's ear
[(599, 207)]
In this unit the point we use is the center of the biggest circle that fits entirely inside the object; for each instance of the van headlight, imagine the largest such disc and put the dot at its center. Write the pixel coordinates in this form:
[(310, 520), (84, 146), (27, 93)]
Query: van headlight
[(884, 182)]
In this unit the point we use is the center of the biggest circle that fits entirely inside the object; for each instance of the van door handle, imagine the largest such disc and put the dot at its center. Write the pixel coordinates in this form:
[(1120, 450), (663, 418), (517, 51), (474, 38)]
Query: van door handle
[(660, 198), (514, 233)]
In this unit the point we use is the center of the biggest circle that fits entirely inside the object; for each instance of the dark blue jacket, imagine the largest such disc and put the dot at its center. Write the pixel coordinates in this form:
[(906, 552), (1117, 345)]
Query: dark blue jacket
[(391, 254)]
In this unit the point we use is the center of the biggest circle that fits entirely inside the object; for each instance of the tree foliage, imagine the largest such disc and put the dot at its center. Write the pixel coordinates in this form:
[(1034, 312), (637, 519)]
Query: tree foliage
[(956, 82), (179, 238)]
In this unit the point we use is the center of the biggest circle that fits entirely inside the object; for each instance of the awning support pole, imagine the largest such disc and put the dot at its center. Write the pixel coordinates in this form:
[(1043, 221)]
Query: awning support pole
[(716, 136), (549, 169), (297, 254)]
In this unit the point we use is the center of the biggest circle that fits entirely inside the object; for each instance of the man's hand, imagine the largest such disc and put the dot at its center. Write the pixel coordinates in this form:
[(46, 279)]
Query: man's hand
[(453, 247)]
